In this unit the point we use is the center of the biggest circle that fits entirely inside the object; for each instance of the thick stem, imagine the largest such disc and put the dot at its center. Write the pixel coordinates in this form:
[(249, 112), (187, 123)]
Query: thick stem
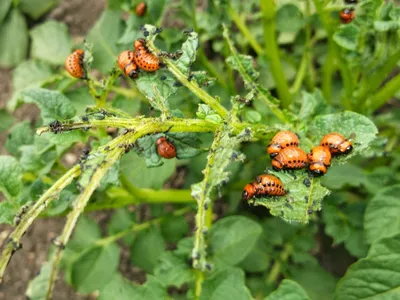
[(384, 94), (272, 52), (327, 71), (276, 268), (245, 31)]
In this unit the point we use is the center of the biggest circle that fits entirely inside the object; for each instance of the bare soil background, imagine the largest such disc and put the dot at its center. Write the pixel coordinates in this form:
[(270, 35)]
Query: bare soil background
[(79, 16)]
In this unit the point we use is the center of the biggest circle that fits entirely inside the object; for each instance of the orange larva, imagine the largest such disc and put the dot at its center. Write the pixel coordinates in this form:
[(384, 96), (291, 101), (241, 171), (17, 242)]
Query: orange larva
[(319, 159), (269, 185), (336, 143), (141, 9), (165, 148), (290, 158), (126, 63), (282, 140), (74, 64), (143, 58), (347, 15), (263, 186)]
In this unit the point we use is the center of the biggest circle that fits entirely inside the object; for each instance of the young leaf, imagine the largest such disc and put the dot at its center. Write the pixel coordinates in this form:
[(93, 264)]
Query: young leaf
[(53, 104), (189, 50), (229, 281), (94, 267), (382, 214), (376, 276), (232, 239), (288, 290), (36, 8), (289, 12), (51, 42), (10, 177), (304, 197), (147, 248), (356, 127), (13, 39), (205, 112)]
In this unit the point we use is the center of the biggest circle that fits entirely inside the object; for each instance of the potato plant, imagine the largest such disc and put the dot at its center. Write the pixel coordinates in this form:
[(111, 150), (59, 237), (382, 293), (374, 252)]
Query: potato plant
[(234, 73)]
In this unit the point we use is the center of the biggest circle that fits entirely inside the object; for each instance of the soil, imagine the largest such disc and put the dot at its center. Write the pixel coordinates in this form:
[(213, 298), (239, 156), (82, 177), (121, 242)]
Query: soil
[(79, 16)]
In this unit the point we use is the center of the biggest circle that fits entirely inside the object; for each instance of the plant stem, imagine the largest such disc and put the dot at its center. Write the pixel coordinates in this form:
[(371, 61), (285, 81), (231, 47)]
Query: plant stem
[(27, 219), (79, 206), (194, 87), (276, 268), (384, 94), (272, 52), (245, 31)]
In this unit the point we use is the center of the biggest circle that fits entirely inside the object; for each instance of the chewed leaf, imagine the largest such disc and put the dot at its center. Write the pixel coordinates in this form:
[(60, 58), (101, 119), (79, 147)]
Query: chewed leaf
[(243, 63), (161, 80), (189, 51), (361, 130), (304, 196)]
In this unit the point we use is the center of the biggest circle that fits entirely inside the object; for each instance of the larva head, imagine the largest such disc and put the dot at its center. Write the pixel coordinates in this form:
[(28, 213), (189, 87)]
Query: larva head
[(248, 192)]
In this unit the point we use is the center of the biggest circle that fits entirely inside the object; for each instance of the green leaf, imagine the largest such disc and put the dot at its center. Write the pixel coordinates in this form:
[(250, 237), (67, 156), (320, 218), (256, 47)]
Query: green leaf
[(347, 37), (226, 283), (6, 120), (258, 260), (244, 65), (118, 288), (189, 51), (4, 7), (131, 32), (340, 176), (13, 40), (207, 113), (104, 36), (172, 270), (86, 232), (289, 18), (174, 228), (53, 104), (36, 8), (377, 276), (121, 220), (348, 124), (7, 212), (336, 224), (51, 42), (288, 290), (232, 239), (37, 288), (252, 116), (30, 73), (94, 268), (10, 176), (134, 168), (382, 214), (384, 26), (315, 280), (147, 248), (305, 196)]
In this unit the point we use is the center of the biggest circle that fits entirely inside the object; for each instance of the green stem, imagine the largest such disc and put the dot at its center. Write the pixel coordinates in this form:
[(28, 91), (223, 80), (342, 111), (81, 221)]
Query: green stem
[(384, 94), (347, 83), (245, 31), (200, 93), (27, 219), (276, 268), (327, 71), (272, 52), (79, 206), (192, 85), (371, 83), (139, 227)]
